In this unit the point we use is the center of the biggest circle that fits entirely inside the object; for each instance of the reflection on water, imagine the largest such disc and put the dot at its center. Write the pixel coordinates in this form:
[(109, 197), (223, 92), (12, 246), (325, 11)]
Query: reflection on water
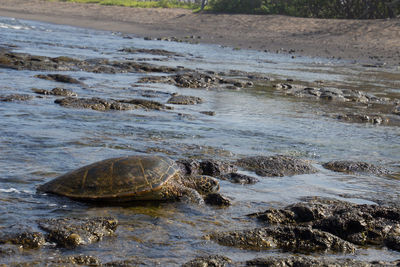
[(40, 140)]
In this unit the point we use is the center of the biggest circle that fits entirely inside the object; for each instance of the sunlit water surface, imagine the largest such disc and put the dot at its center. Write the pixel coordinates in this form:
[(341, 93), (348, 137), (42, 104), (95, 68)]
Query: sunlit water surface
[(40, 140)]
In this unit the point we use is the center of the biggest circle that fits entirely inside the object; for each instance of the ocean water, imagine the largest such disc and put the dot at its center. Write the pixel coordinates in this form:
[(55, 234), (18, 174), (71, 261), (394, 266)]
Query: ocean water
[(40, 140)]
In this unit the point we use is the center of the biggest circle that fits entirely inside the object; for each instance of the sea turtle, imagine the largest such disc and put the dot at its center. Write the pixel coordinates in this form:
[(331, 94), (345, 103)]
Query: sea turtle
[(131, 178)]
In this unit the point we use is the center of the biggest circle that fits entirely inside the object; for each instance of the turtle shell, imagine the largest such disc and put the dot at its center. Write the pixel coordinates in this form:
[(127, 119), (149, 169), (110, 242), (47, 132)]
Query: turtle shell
[(116, 178)]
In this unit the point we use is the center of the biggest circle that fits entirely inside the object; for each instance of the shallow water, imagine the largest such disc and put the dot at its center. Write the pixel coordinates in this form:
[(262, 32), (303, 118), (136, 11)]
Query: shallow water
[(40, 140)]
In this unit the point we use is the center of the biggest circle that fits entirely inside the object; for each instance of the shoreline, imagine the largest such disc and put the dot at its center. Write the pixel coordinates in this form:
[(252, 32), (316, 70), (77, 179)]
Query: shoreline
[(360, 41)]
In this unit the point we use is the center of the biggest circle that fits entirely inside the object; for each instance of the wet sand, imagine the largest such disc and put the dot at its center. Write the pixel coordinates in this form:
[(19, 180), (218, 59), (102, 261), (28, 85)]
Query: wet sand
[(363, 41)]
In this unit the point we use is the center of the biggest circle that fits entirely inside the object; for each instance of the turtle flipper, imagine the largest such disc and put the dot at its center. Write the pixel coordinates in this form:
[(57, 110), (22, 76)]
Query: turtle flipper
[(189, 195)]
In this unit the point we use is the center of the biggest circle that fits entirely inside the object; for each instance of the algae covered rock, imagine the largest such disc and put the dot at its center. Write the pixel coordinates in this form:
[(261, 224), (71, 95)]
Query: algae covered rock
[(278, 165), (70, 233), (355, 167)]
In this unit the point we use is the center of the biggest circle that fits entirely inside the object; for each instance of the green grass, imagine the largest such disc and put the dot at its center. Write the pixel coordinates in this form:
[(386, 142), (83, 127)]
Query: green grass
[(140, 4)]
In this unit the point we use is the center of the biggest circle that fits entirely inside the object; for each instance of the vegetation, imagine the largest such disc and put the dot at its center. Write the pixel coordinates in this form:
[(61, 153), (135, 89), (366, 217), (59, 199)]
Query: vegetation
[(346, 9), (144, 4)]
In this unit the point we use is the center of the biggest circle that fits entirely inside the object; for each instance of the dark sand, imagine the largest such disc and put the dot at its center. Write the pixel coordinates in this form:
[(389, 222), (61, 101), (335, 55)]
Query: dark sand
[(364, 41)]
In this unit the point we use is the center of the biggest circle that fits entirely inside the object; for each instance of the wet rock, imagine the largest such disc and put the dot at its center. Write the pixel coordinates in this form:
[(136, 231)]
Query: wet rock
[(216, 199), (332, 94), (209, 113), (355, 167), (208, 167), (363, 118), (197, 80), (158, 52), (209, 261), (396, 110), (288, 238), (55, 91), (238, 178), (93, 103), (278, 165), (303, 261), (58, 78), (359, 224), (216, 168), (185, 100), (15, 97), (26, 239), (145, 104), (21, 61), (63, 261), (70, 233)]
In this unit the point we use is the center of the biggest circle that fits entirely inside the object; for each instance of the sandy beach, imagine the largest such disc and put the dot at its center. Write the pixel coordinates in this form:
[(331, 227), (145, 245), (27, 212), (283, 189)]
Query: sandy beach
[(364, 41)]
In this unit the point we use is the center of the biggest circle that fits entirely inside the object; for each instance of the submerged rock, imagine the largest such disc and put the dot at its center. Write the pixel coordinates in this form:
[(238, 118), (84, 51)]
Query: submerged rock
[(216, 199), (332, 94), (396, 110), (94, 103), (292, 238), (26, 239), (70, 233), (185, 100), (211, 261), (195, 79), (238, 178), (355, 167), (15, 97), (58, 78), (158, 52), (146, 104), (363, 118), (22, 61), (307, 261), (359, 224), (278, 165), (55, 91)]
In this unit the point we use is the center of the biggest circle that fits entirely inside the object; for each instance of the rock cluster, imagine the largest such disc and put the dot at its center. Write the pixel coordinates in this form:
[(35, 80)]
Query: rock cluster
[(64, 232), (358, 224), (278, 165)]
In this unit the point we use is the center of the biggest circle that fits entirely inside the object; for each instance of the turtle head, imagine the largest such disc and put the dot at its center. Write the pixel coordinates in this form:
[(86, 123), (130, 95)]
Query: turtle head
[(205, 184)]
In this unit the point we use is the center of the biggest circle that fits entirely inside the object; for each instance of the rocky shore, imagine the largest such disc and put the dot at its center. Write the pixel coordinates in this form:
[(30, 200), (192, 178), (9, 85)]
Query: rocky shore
[(365, 41)]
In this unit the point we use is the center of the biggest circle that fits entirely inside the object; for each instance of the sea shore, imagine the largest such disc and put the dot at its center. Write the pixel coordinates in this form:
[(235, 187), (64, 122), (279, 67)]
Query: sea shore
[(362, 41)]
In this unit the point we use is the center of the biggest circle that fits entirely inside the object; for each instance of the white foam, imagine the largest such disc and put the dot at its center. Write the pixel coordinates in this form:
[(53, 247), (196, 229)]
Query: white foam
[(13, 190), (14, 27)]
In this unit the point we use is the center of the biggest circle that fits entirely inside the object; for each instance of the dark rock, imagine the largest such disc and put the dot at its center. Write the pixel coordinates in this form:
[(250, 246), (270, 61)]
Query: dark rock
[(355, 167), (70, 233), (396, 110), (63, 261), (158, 52), (209, 261), (363, 118), (216, 168), (145, 104), (359, 224), (189, 166), (303, 261), (208, 167), (288, 238), (278, 165), (27, 239), (185, 100), (216, 199), (21, 61), (238, 178), (197, 80), (209, 113), (55, 91), (93, 103), (58, 78), (15, 97)]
